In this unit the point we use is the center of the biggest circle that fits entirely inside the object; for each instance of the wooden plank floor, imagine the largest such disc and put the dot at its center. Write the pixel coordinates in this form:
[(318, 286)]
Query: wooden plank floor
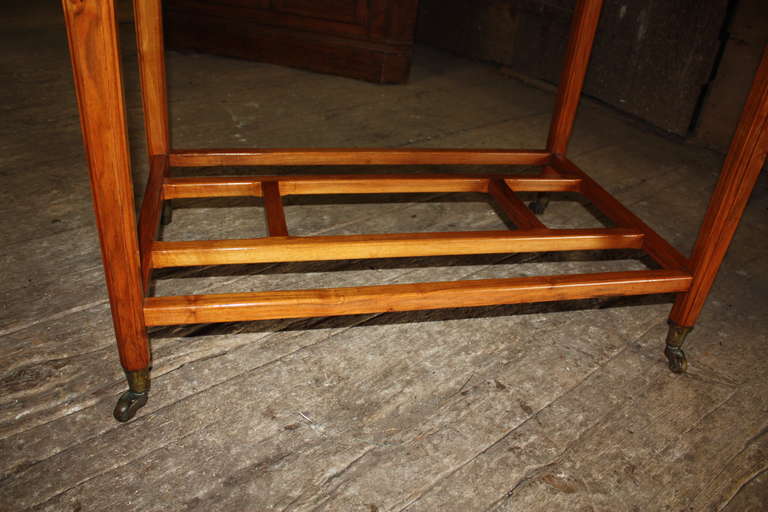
[(522, 408)]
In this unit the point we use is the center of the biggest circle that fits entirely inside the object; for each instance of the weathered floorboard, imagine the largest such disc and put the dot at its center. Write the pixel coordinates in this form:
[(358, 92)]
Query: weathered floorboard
[(522, 407)]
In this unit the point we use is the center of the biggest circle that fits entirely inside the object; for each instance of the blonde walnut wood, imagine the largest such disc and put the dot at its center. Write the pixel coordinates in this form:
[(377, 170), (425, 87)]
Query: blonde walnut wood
[(178, 188), (149, 42), (92, 36), (273, 209), (269, 250), (149, 217), (355, 156), (191, 309), (583, 29)]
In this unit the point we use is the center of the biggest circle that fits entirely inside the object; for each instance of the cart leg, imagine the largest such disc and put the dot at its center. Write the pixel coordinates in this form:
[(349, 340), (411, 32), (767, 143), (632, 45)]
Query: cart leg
[(149, 41), (742, 166), (583, 28), (92, 34)]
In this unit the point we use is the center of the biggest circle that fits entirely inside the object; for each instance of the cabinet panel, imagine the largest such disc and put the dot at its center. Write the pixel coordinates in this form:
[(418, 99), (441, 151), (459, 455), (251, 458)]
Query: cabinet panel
[(349, 11), (367, 39), (261, 4)]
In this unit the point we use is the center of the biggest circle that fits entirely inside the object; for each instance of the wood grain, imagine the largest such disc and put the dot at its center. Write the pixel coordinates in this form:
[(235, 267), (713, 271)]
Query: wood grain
[(192, 309), (583, 29), (149, 216), (327, 248), (177, 188), (355, 156), (149, 43), (743, 164), (273, 209), (92, 36)]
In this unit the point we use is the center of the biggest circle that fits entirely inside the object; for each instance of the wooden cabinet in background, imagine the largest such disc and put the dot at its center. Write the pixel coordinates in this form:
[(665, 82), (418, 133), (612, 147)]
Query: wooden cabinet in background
[(365, 39)]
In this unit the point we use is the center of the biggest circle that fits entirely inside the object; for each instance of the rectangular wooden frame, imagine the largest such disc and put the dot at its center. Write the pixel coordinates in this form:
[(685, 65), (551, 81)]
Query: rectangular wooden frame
[(129, 257)]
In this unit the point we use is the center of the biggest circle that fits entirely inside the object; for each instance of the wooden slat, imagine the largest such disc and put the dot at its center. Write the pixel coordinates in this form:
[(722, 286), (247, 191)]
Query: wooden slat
[(325, 248), (191, 309), (177, 188), (273, 209), (229, 186), (583, 28), (149, 217), (659, 249), (355, 156), (382, 184), (517, 211)]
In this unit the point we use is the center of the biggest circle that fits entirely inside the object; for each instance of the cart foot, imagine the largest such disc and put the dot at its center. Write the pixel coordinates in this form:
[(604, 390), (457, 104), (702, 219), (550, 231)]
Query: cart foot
[(128, 404), (135, 398), (674, 351), (167, 216), (676, 357), (539, 206)]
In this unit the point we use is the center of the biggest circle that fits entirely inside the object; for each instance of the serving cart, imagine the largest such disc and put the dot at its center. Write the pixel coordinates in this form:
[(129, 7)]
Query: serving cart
[(131, 250)]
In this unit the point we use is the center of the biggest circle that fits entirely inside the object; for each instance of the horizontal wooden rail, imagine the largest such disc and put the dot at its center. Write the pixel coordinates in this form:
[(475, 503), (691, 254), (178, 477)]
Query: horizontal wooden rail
[(326, 248), (191, 309), (355, 156), (232, 186), (658, 248)]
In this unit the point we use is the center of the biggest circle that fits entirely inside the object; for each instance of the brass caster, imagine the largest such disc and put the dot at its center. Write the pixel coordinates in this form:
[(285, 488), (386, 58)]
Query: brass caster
[(128, 404), (539, 206), (676, 357), (136, 396), (674, 351), (167, 215)]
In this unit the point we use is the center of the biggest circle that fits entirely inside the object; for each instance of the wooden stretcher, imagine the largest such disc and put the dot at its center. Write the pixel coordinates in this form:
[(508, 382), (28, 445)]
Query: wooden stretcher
[(130, 254)]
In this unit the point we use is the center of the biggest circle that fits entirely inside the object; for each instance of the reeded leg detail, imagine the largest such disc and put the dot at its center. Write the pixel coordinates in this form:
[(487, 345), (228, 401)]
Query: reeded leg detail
[(539, 206), (674, 351), (135, 398), (167, 216)]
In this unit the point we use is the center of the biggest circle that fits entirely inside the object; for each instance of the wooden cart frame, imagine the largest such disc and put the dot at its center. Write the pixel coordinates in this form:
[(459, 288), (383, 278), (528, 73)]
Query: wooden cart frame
[(130, 255)]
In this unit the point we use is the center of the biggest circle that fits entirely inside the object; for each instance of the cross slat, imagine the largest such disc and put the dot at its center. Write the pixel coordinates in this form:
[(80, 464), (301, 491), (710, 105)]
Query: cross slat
[(231, 186), (325, 248)]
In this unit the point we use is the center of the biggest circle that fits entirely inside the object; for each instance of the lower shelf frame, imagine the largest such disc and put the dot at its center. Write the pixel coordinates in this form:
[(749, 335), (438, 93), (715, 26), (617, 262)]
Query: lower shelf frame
[(559, 175)]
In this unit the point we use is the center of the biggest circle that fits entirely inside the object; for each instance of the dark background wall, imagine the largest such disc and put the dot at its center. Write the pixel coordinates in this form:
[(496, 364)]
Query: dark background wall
[(657, 60)]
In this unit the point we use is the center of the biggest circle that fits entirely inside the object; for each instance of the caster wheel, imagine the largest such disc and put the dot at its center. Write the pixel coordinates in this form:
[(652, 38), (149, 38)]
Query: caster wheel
[(537, 207), (128, 404), (676, 357)]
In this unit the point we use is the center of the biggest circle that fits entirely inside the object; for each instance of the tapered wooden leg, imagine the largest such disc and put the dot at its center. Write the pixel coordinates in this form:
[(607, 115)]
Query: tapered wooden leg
[(583, 29), (148, 15), (92, 34), (742, 166)]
